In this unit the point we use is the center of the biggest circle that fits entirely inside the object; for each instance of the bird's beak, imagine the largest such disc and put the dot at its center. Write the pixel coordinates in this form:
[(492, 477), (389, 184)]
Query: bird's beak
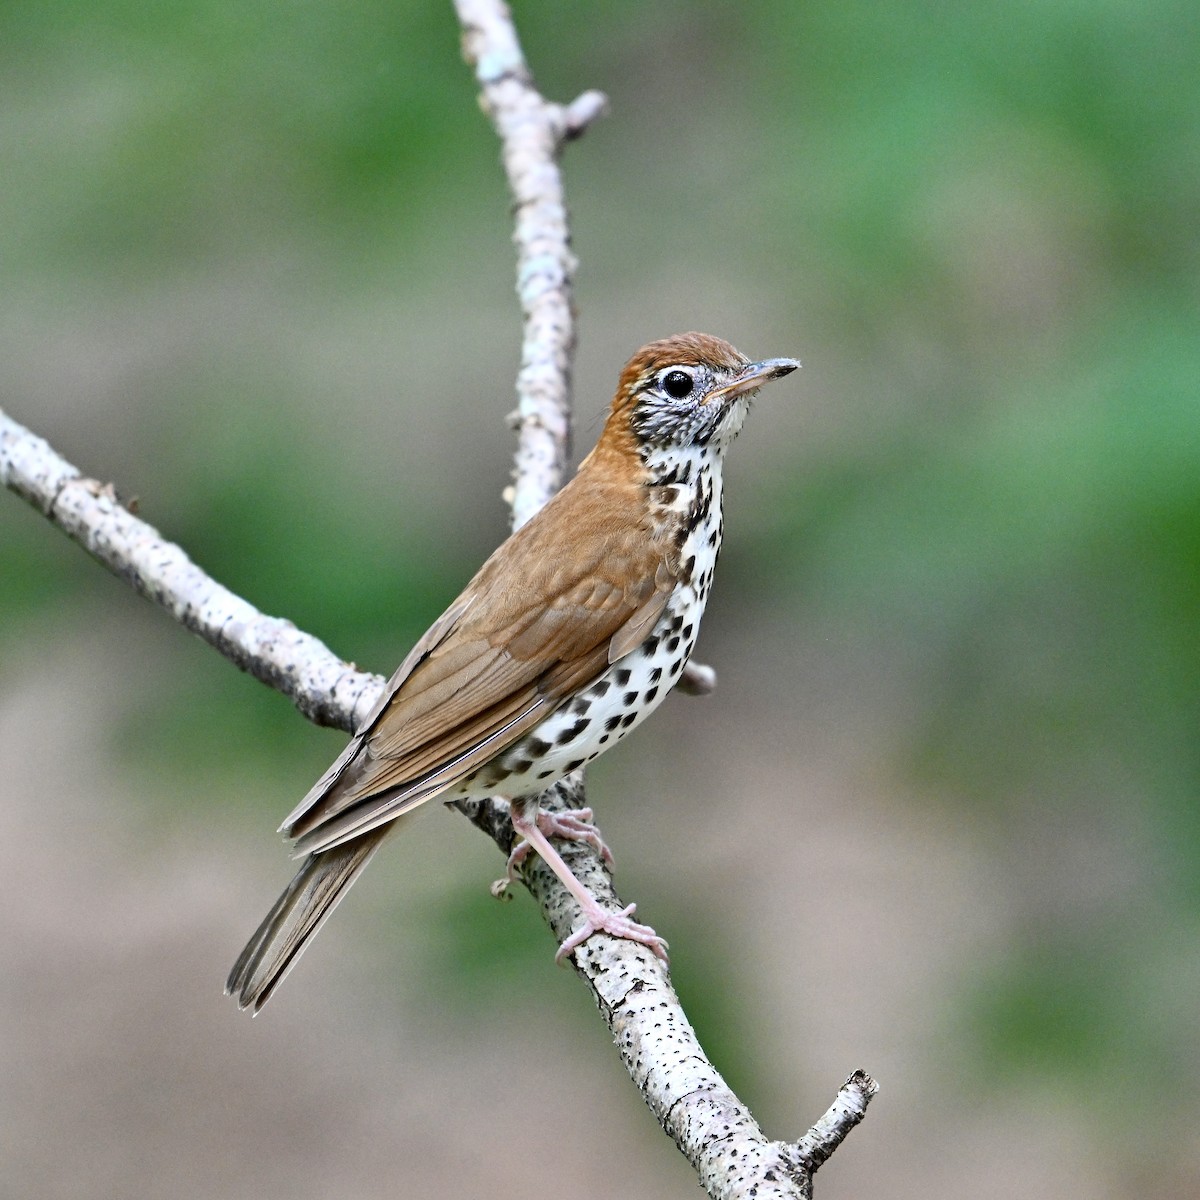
[(753, 376)]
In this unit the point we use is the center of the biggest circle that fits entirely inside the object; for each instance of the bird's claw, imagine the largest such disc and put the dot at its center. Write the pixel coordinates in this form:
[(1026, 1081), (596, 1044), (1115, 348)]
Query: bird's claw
[(616, 925), (571, 825)]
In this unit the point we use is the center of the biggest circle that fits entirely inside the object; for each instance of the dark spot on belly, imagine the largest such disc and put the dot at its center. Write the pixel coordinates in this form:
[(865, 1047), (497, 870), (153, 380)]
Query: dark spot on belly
[(601, 687), (612, 723), (572, 732), (628, 719), (574, 764), (623, 677), (673, 645), (650, 694), (656, 675), (538, 748), (629, 699)]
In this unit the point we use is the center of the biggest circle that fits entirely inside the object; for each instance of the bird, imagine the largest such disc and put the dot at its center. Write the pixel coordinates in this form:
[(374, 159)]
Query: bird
[(567, 638)]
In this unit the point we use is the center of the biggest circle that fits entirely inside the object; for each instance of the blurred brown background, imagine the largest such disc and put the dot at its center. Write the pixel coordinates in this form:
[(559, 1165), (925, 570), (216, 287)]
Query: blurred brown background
[(939, 820)]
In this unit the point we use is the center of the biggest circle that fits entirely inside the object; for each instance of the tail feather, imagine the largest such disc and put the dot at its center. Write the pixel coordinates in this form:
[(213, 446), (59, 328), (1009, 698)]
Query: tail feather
[(312, 895)]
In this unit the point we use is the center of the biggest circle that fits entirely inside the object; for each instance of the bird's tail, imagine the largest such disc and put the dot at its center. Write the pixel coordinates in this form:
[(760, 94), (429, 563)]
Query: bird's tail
[(311, 896)]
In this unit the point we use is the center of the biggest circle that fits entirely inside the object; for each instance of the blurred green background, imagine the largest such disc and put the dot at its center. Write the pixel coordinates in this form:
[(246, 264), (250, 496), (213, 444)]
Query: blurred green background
[(939, 820)]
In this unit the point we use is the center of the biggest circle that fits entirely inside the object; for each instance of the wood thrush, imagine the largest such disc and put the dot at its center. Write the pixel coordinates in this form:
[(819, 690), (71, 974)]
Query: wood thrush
[(571, 633)]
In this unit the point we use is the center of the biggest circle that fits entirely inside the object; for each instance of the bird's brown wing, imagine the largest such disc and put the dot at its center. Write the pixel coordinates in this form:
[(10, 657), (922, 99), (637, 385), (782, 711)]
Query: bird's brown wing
[(542, 618)]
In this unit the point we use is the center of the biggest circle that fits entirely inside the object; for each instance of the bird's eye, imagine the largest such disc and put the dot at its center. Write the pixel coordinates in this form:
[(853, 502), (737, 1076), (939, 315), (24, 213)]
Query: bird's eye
[(677, 384)]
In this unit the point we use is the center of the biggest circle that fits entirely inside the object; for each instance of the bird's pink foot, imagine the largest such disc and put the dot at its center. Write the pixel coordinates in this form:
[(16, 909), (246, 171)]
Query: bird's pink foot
[(576, 825), (571, 825), (598, 920)]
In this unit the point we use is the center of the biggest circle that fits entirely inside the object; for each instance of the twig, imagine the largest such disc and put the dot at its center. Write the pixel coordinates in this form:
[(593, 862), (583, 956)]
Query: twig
[(532, 132), (848, 1108)]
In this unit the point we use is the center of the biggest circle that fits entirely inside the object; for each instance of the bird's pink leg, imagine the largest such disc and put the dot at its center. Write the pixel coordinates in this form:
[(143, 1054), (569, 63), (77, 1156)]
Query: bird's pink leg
[(595, 918), (572, 825)]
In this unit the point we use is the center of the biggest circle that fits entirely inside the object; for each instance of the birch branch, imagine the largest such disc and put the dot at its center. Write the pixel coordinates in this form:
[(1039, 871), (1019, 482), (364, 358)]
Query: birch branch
[(696, 1108), (532, 132), (324, 688)]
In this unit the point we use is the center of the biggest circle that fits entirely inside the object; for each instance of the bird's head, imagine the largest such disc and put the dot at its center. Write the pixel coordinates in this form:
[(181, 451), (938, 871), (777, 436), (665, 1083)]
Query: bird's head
[(692, 389)]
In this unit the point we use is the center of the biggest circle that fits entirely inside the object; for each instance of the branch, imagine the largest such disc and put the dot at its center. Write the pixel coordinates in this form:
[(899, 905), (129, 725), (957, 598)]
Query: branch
[(830, 1131), (696, 1108), (324, 688), (532, 132)]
